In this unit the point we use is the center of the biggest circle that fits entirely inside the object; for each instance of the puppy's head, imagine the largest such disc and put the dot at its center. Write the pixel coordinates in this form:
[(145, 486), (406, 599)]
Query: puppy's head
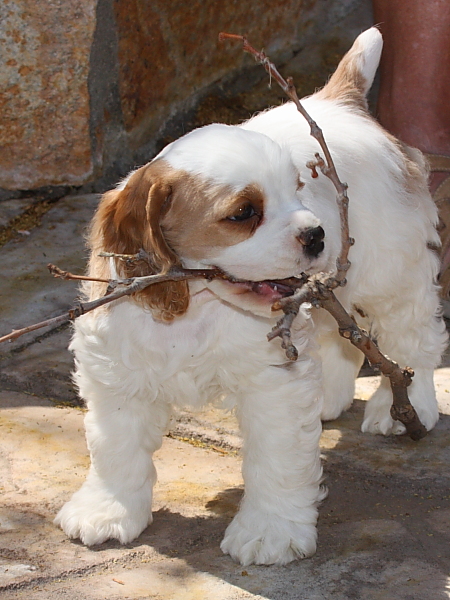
[(218, 197)]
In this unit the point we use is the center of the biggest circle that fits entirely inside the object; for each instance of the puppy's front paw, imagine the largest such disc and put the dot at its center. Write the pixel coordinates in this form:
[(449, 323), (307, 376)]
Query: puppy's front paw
[(268, 540), (95, 517)]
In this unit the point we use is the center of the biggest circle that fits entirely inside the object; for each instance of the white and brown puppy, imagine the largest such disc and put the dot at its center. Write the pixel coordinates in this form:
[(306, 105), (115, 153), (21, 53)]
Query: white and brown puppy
[(242, 199)]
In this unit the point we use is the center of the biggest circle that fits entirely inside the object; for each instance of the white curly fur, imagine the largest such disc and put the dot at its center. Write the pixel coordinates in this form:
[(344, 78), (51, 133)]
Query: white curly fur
[(131, 368)]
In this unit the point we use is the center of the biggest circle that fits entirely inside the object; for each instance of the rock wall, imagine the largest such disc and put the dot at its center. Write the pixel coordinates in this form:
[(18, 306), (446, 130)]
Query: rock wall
[(44, 98), (89, 88)]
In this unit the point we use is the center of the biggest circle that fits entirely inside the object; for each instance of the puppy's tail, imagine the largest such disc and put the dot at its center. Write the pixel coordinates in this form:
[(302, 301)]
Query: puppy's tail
[(355, 73)]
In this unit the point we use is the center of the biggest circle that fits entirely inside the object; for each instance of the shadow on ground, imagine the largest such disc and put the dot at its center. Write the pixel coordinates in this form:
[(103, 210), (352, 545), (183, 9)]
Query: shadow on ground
[(384, 530)]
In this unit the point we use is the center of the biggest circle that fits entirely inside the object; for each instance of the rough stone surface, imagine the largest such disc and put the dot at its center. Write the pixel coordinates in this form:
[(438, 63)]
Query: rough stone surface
[(44, 136), (10, 209), (171, 51), (39, 362), (170, 54), (384, 530), (91, 88), (59, 240)]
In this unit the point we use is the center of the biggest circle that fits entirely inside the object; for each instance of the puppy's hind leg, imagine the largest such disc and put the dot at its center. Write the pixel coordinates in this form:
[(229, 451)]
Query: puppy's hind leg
[(410, 331), (341, 363)]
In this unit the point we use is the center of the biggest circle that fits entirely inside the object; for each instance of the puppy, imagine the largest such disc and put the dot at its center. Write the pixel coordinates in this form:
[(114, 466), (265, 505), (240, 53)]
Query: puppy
[(241, 198)]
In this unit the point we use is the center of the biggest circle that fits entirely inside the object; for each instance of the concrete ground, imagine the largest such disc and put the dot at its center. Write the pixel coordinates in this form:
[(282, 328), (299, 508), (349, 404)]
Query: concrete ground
[(384, 530)]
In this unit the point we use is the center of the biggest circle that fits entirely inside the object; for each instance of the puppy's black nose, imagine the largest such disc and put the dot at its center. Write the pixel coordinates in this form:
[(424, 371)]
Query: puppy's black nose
[(312, 241)]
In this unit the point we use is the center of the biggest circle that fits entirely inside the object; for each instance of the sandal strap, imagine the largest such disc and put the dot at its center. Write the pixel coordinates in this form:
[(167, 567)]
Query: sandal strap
[(438, 162), (442, 192), (441, 163)]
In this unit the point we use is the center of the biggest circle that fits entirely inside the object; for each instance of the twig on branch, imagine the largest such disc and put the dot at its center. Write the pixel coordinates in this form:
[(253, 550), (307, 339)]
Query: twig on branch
[(318, 290), (126, 287), (59, 273), (141, 256)]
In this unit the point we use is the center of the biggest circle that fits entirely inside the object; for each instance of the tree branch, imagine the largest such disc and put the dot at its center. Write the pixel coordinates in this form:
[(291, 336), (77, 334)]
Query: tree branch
[(126, 287), (319, 294), (318, 290), (116, 289)]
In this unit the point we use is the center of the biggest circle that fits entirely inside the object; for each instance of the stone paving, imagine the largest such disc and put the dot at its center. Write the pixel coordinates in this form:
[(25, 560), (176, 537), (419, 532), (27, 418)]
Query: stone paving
[(384, 530)]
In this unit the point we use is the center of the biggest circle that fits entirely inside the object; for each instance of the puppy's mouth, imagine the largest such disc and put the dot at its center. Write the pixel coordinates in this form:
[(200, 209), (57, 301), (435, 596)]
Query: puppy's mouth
[(271, 290), (267, 290)]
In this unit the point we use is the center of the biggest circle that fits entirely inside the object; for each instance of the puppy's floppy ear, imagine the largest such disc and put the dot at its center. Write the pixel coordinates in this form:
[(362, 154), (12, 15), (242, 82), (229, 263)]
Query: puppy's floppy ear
[(354, 75), (158, 203), (128, 220)]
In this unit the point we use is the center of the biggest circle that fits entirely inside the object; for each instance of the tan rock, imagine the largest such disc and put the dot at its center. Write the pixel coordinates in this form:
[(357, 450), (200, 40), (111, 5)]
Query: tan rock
[(44, 99), (89, 89), (168, 52)]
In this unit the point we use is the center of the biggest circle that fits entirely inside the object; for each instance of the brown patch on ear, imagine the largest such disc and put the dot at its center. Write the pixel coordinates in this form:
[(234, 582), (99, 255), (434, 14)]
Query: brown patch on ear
[(347, 84), (128, 220), (158, 203)]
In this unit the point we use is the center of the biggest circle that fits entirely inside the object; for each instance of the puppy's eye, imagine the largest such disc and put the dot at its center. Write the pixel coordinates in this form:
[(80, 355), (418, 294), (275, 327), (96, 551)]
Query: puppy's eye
[(243, 213)]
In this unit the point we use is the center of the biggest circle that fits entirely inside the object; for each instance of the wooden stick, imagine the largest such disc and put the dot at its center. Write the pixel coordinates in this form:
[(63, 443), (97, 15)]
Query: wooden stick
[(59, 273), (15, 333), (126, 287), (318, 290), (319, 294)]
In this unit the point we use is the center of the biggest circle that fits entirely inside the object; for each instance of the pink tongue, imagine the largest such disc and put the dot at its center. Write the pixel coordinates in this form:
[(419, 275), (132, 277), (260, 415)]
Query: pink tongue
[(264, 289)]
